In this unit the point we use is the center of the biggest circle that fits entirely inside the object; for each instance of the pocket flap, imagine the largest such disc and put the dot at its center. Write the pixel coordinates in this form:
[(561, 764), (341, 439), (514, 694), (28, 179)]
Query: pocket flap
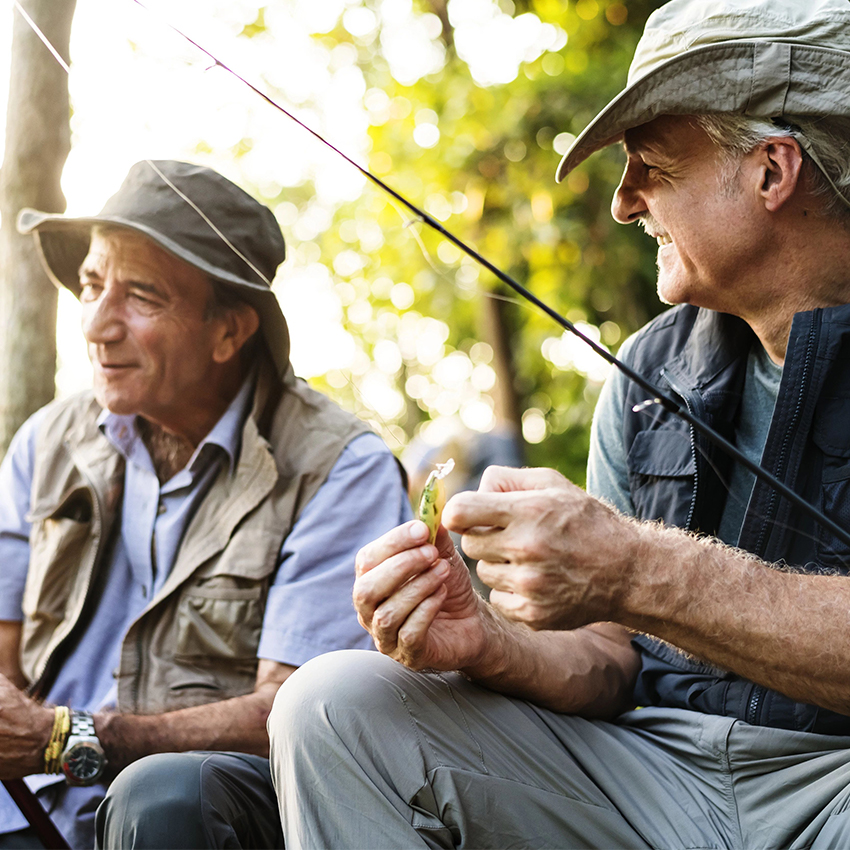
[(664, 452), (830, 431)]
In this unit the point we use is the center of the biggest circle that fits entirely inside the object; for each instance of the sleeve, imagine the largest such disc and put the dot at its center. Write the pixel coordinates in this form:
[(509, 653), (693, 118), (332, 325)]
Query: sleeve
[(16, 473), (309, 609), (607, 471)]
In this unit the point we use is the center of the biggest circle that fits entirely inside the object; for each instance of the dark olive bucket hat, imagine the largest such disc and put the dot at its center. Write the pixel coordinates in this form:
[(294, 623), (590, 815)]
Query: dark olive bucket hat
[(763, 58), (193, 213)]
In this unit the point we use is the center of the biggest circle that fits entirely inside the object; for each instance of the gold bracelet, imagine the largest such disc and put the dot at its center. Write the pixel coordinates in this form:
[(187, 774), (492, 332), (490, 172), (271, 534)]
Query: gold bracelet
[(58, 738)]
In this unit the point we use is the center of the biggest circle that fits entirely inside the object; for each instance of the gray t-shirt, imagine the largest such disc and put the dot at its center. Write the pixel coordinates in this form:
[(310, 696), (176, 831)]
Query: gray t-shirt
[(607, 472)]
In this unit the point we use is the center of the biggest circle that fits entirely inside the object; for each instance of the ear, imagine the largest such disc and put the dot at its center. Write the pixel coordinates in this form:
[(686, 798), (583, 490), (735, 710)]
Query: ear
[(780, 166), (238, 325)]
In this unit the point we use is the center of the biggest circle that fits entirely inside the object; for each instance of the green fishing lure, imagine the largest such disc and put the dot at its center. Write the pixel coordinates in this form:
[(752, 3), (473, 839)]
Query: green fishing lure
[(433, 498)]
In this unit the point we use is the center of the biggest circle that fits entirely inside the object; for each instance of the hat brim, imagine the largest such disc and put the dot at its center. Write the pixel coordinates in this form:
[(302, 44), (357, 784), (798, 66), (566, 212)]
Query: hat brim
[(721, 77), (63, 243)]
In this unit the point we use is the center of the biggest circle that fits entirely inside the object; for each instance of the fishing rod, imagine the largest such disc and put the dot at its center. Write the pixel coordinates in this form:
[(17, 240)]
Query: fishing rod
[(656, 395)]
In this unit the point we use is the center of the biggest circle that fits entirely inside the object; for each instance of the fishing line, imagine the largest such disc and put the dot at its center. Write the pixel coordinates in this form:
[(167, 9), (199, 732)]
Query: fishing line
[(444, 272), (44, 40)]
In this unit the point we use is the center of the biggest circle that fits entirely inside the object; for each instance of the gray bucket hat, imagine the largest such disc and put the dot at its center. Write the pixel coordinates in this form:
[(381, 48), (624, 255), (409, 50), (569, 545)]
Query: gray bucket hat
[(763, 58), (193, 213)]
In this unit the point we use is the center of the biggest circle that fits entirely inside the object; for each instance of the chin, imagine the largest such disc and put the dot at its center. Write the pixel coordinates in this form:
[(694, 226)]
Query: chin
[(675, 289), (114, 403), (671, 295)]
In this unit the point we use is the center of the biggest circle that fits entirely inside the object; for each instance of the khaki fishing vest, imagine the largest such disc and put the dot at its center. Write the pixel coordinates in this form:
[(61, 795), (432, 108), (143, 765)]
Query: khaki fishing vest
[(196, 641)]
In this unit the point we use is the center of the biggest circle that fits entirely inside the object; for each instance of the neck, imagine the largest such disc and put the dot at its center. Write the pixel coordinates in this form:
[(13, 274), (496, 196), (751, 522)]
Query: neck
[(172, 439), (169, 452), (811, 272)]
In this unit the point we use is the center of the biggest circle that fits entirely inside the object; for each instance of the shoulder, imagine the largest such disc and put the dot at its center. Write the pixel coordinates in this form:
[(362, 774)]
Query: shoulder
[(368, 455), (660, 337), (301, 408), (79, 411)]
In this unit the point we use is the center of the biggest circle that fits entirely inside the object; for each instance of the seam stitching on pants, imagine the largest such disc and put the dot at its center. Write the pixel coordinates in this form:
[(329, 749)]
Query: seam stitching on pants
[(423, 741), (512, 779), (729, 790), (465, 722)]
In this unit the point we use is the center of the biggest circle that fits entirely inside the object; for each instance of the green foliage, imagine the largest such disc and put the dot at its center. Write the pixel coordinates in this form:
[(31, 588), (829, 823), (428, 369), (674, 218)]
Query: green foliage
[(490, 178)]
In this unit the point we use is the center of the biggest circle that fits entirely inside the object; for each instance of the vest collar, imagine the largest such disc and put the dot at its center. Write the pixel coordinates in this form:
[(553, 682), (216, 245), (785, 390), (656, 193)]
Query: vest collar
[(717, 341)]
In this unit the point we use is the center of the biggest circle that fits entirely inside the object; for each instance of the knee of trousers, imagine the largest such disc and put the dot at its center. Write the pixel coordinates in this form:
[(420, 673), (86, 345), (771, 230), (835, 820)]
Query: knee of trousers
[(334, 692), (150, 797)]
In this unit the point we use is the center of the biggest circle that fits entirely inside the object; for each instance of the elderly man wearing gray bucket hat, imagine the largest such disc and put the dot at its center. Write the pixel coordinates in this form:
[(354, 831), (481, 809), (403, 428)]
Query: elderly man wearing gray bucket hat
[(735, 123), (176, 543)]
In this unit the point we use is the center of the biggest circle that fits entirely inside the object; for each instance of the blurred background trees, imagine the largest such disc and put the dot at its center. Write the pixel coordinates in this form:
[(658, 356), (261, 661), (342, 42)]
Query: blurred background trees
[(465, 107), (441, 347)]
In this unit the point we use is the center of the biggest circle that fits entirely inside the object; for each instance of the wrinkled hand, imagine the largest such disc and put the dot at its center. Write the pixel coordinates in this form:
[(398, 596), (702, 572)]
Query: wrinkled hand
[(417, 600), (554, 557), (24, 732)]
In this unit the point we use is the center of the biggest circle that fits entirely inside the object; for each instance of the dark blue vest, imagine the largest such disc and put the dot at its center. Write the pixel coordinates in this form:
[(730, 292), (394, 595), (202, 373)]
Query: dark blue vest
[(678, 477)]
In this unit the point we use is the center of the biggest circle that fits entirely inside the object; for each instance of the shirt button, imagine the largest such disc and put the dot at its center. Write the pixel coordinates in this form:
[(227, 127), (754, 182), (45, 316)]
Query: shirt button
[(161, 509)]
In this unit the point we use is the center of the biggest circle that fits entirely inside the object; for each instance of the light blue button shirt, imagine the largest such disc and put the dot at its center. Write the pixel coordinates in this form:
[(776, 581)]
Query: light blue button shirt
[(309, 609)]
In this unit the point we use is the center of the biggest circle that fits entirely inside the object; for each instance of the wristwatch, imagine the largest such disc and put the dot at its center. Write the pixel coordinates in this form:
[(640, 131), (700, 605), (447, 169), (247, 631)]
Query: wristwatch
[(83, 759)]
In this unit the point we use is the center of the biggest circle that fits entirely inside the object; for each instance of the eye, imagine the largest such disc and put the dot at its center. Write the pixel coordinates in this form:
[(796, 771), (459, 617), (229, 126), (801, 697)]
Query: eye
[(145, 295), (90, 290)]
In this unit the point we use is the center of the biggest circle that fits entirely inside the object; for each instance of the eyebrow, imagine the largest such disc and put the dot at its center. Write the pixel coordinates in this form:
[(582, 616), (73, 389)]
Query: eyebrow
[(637, 146), (149, 288)]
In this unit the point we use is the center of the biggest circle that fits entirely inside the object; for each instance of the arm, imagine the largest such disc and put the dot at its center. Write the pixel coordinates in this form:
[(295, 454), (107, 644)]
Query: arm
[(237, 724), (558, 558), (417, 602), (10, 642)]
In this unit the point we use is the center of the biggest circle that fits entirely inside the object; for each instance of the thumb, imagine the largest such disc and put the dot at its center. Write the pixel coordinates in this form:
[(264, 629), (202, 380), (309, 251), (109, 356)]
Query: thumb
[(506, 479)]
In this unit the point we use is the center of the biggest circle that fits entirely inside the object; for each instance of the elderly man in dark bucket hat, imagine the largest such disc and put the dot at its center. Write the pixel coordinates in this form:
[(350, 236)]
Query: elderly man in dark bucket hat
[(177, 542), (681, 584)]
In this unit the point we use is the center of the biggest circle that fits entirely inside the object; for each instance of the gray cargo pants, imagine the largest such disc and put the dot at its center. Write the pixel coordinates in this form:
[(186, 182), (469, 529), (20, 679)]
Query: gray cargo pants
[(366, 754)]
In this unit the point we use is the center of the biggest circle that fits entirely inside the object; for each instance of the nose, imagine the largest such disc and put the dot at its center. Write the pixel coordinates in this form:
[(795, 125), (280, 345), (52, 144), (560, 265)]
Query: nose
[(628, 204), (102, 318)]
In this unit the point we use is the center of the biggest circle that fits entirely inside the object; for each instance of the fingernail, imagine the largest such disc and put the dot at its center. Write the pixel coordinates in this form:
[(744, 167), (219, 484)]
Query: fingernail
[(418, 530)]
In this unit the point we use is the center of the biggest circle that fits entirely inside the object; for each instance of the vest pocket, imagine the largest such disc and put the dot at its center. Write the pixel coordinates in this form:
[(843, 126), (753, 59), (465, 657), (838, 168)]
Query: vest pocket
[(661, 474), (219, 623), (57, 542), (835, 503)]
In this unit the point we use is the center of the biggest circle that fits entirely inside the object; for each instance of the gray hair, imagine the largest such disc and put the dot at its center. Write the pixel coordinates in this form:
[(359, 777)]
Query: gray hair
[(737, 135)]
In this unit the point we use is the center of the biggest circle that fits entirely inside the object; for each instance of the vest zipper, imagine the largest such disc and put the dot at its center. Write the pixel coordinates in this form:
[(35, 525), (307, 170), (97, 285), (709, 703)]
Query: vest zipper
[(758, 692), (779, 468)]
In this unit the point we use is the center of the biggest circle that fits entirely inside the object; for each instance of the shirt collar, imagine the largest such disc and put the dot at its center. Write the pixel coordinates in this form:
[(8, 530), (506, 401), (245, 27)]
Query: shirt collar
[(226, 434)]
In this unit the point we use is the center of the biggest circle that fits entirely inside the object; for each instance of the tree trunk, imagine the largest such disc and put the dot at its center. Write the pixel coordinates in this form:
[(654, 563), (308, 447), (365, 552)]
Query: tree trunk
[(38, 139), (496, 330)]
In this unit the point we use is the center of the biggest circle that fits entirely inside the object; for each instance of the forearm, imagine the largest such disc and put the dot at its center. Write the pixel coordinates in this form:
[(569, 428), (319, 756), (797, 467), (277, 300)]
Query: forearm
[(787, 631), (588, 671), (237, 724)]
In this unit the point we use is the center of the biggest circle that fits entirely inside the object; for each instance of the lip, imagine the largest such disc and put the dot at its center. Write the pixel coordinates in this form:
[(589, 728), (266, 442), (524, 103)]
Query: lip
[(660, 236), (114, 368)]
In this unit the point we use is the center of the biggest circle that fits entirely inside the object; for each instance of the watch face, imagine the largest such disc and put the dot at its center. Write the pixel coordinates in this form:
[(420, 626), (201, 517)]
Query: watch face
[(83, 762)]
